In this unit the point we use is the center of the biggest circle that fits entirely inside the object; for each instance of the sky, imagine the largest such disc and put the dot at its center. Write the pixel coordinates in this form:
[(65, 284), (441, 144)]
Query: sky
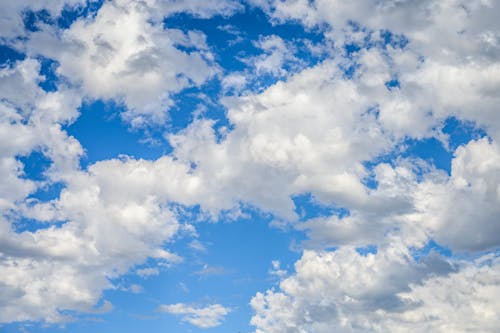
[(265, 166)]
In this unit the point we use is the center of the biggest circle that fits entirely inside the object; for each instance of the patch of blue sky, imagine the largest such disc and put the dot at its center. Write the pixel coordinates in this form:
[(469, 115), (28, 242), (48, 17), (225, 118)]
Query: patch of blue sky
[(480, 257), (34, 165), (48, 68), (233, 39), (33, 19), (307, 207), (460, 132), (393, 84), (197, 102), (431, 149), (70, 14), (435, 152), (8, 56), (382, 38), (235, 263), (430, 246), (104, 135), (31, 225), (366, 250), (47, 191)]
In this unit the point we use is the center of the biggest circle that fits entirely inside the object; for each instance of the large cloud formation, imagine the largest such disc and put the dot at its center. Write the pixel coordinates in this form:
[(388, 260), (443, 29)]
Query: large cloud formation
[(323, 131), (456, 75)]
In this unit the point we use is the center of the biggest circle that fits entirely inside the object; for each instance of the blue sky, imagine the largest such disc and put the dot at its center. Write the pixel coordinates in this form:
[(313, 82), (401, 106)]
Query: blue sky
[(260, 166)]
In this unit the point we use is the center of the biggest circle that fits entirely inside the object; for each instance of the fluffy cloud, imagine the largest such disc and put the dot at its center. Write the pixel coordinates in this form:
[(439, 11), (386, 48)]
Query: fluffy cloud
[(449, 30), (202, 317), (11, 17), (120, 54), (463, 211), (448, 69), (309, 134), (275, 53), (383, 292), (88, 235), (31, 121), (450, 66), (107, 226), (12, 25), (466, 91)]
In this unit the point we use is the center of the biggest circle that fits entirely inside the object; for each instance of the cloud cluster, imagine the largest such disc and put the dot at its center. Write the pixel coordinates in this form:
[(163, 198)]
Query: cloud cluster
[(202, 317), (96, 230), (448, 69), (388, 291), (31, 120), (122, 54)]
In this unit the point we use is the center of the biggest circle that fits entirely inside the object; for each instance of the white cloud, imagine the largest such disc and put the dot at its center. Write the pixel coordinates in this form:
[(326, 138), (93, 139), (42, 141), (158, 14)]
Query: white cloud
[(103, 236), (120, 54), (308, 134), (384, 292), (275, 53), (276, 269), (30, 120), (202, 317), (149, 271), (446, 30), (196, 245), (203, 9), (462, 211), (457, 41), (449, 68), (11, 13)]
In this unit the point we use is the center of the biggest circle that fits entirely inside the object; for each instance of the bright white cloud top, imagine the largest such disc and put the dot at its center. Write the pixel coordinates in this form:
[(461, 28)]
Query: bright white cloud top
[(143, 144)]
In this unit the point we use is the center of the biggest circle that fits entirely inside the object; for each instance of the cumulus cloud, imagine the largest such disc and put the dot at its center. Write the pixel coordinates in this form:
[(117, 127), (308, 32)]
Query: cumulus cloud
[(276, 52), (462, 212), (31, 121), (455, 43), (11, 17), (99, 227), (102, 236), (309, 134), (120, 54), (464, 27), (383, 292), (448, 69), (84, 237), (202, 317)]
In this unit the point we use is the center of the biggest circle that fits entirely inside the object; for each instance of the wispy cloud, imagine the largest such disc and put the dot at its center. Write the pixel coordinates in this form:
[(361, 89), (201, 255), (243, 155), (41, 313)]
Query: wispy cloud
[(202, 317)]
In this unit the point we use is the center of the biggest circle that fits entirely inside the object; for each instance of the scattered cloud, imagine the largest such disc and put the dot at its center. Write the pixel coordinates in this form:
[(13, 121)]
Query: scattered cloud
[(208, 270), (202, 317), (146, 272)]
